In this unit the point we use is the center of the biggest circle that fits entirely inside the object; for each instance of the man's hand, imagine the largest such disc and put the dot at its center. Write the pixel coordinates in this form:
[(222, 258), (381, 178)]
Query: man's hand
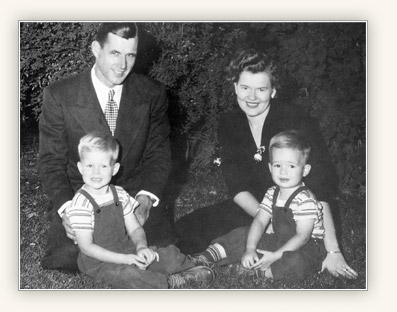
[(67, 226), (143, 210)]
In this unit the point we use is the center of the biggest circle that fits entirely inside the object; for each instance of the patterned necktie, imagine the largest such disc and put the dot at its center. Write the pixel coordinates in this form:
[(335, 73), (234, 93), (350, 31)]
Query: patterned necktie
[(111, 112)]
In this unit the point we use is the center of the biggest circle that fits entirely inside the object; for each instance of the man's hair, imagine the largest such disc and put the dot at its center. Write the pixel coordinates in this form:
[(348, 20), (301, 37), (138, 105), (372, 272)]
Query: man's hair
[(290, 139), (121, 29), (252, 61), (99, 142)]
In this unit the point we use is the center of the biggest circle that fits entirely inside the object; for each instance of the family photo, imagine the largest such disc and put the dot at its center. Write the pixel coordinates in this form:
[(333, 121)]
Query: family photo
[(193, 155)]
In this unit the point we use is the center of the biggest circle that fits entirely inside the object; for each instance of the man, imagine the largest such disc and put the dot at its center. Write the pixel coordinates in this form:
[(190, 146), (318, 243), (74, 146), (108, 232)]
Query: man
[(106, 98)]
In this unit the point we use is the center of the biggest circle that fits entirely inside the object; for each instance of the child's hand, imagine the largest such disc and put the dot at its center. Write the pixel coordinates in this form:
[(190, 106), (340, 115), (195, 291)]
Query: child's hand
[(140, 262), (267, 259), (249, 259), (148, 255)]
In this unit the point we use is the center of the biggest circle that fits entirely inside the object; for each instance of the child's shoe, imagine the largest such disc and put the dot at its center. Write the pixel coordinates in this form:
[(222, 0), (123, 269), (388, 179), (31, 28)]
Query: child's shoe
[(199, 274), (260, 274), (201, 260)]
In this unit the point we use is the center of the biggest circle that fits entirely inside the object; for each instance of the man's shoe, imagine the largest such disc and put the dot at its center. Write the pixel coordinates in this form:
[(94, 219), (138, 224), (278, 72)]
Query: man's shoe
[(199, 274)]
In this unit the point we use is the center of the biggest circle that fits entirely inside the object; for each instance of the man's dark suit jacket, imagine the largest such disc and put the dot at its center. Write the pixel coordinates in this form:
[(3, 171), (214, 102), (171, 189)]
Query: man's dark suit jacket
[(71, 109)]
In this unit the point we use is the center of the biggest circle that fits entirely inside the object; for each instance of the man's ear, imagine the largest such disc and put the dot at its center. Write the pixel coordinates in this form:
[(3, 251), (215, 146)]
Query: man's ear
[(235, 87), (95, 48), (306, 169), (273, 93), (116, 168), (80, 167)]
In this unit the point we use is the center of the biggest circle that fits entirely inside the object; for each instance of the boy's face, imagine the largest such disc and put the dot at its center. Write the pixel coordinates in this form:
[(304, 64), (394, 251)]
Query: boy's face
[(288, 167), (97, 170)]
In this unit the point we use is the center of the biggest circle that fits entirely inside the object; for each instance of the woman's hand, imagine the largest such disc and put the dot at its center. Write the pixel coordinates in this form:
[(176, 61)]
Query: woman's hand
[(336, 265)]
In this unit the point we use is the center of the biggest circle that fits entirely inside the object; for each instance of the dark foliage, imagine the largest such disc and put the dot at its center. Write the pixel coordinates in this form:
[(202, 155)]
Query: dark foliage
[(322, 65)]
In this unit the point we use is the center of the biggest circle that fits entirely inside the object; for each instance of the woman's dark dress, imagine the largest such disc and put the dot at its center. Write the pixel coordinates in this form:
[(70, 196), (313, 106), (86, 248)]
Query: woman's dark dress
[(241, 172)]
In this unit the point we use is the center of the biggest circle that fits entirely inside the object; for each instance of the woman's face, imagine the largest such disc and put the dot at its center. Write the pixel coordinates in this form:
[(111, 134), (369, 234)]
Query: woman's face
[(254, 92)]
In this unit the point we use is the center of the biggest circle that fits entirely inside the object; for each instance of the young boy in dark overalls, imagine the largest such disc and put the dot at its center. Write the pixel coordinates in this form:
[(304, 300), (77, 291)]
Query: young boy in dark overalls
[(296, 248), (113, 246)]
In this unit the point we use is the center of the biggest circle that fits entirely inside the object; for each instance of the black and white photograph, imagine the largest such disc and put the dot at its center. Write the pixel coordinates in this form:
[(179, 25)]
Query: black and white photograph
[(193, 155)]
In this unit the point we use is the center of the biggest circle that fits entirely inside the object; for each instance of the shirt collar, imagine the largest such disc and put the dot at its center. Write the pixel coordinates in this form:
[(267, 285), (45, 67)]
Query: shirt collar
[(102, 91)]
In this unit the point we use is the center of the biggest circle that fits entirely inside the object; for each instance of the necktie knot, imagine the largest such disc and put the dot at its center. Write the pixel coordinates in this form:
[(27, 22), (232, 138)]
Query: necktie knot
[(111, 95)]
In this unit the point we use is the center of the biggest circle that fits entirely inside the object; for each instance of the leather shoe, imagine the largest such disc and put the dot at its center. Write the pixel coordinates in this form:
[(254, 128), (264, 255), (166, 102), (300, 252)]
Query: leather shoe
[(201, 261), (198, 274)]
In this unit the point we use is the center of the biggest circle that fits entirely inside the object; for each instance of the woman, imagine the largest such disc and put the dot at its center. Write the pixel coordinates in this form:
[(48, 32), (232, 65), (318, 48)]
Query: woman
[(244, 135)]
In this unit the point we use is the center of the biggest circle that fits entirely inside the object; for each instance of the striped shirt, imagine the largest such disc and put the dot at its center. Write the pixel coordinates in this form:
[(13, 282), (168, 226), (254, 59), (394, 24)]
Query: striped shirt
[(81, 211), (303, 206)]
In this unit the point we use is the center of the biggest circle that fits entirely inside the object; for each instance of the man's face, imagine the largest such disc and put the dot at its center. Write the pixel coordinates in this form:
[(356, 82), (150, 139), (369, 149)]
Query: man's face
[(114, 61)]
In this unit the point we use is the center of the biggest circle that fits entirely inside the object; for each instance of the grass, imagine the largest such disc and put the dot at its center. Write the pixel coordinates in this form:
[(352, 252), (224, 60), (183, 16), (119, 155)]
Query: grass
[(186, 194)]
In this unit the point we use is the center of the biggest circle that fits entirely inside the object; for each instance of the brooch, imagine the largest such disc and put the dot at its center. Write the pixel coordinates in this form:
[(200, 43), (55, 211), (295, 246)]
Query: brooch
[(217, 161), (259, 152)]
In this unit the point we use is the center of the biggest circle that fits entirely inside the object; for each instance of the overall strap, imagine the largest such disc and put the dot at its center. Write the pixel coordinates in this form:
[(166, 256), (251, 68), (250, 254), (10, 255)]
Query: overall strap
[(115, 196), (275, 195), (90, 198), (297, 191)]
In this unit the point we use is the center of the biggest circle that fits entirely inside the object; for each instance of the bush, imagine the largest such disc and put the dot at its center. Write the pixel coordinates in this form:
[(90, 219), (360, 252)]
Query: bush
[(192, 64), (49, 52), (328, 62), (323, 66)]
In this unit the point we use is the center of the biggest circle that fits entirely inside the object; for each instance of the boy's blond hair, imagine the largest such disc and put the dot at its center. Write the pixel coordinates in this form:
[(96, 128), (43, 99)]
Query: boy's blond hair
[(99, 142), (290, 139)]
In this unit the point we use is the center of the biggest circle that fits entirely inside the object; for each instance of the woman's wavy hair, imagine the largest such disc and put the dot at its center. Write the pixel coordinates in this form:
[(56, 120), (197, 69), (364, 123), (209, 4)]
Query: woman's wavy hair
[(253, 61)]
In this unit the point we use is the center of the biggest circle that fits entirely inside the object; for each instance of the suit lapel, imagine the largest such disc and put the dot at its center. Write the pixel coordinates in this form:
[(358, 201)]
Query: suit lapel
[(133, 108), (87, 109)]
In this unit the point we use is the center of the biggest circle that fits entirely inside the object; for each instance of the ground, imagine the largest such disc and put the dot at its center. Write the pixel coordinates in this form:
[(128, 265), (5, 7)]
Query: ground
[(185, 195)]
